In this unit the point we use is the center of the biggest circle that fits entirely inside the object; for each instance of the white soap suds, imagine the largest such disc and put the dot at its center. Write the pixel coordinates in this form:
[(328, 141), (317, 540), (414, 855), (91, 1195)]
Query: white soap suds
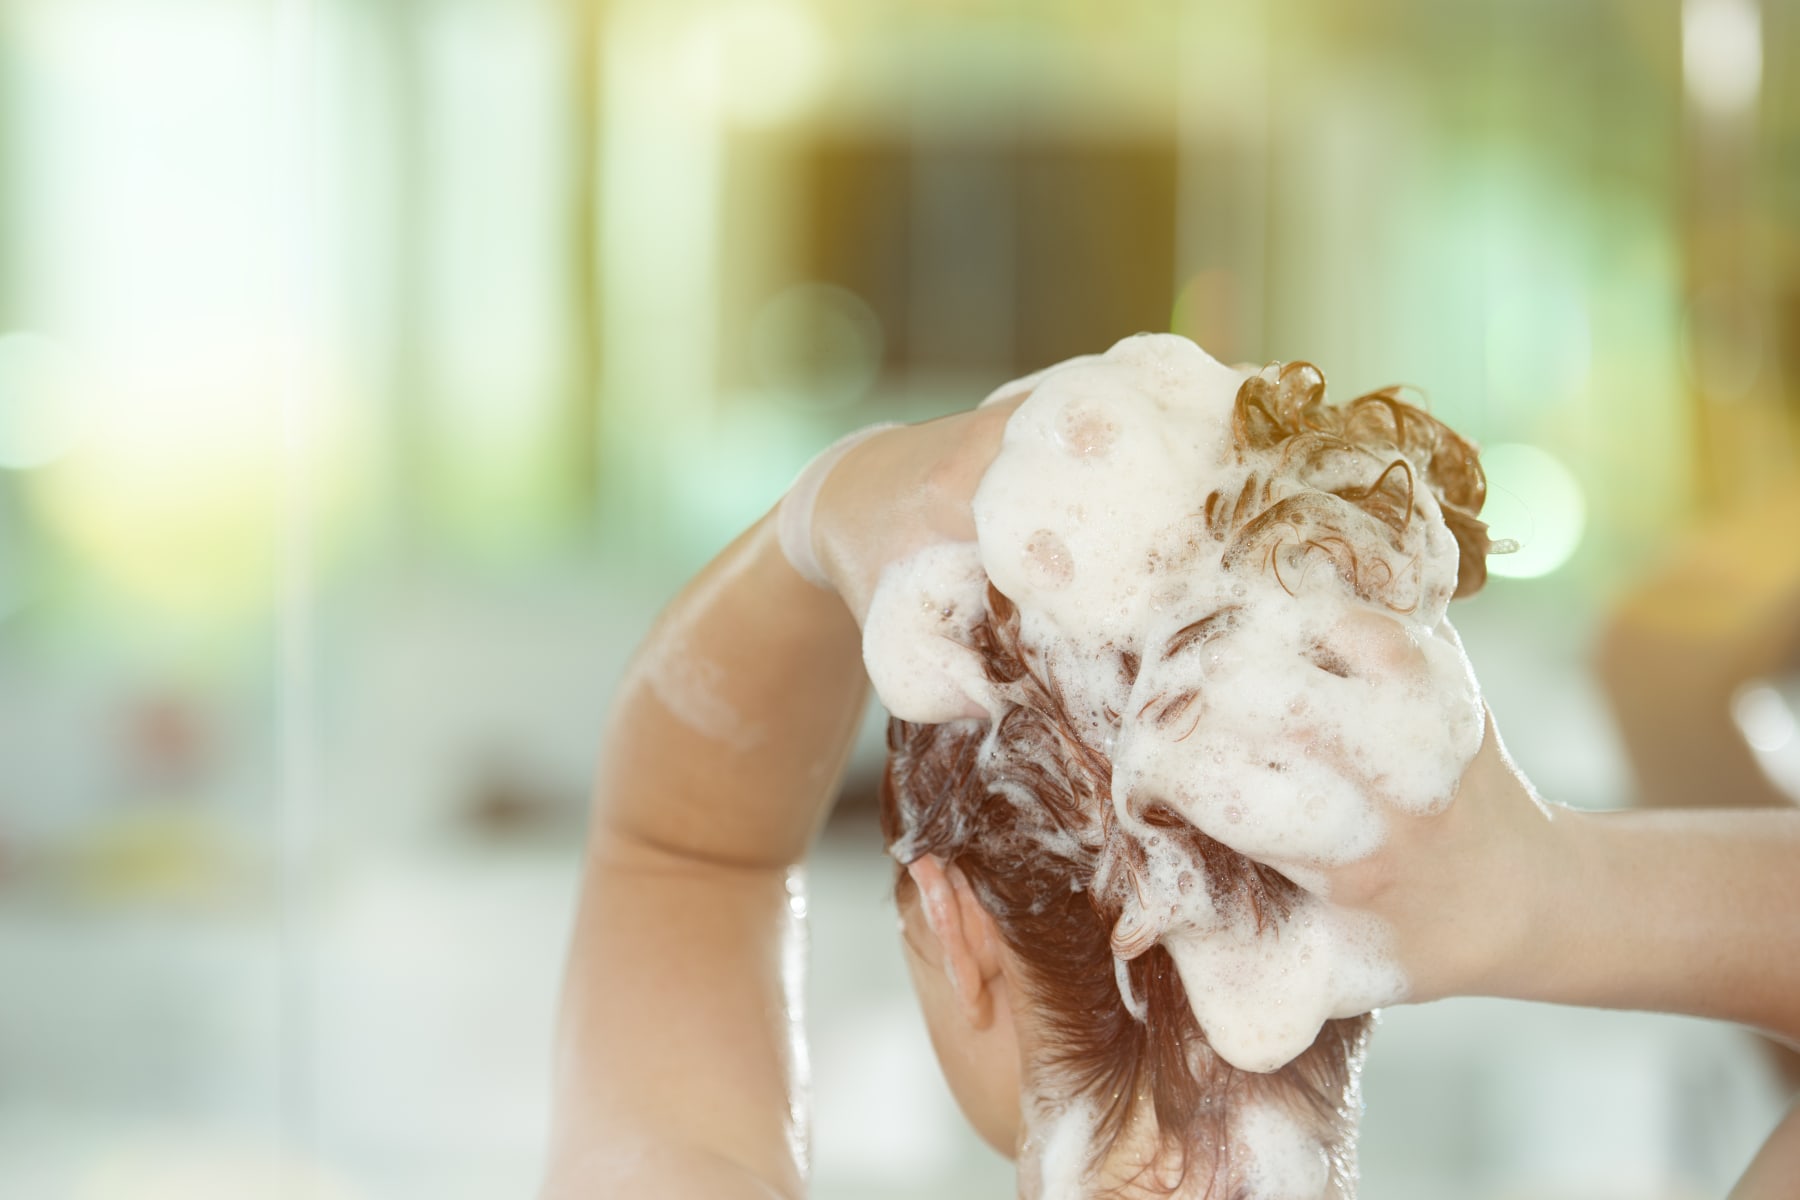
[(1276, 1158), (1262, 997), (1053, 1161), (688, 684), (916, 636), (1251, 628)]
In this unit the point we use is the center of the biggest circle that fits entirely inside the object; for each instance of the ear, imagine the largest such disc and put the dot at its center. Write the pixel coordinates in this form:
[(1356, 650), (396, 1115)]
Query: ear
[(966, 934)]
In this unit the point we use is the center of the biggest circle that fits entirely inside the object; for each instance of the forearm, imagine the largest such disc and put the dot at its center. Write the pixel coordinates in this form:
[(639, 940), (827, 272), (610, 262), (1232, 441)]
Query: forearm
[(1681, 911), (1671, 911), (679, 1054)]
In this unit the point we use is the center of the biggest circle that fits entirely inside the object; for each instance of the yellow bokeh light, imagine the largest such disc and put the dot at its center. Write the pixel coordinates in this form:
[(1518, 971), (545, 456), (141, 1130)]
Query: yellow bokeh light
[(1722, 54), (1535, 500), (204, 1164), (172, 500), (755, 62)]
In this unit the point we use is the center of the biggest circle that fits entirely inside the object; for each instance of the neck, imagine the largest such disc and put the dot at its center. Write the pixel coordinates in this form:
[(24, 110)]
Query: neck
[(1270, 1154), (1272, 1150), (1054, 1154)]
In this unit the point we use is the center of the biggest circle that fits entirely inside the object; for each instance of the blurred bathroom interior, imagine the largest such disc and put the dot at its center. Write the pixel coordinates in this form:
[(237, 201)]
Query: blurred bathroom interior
[(372, 370)]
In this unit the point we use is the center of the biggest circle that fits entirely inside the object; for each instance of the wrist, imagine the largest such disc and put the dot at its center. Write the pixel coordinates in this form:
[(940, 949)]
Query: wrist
[(796, 516), (1536, 905), (1480, 919)]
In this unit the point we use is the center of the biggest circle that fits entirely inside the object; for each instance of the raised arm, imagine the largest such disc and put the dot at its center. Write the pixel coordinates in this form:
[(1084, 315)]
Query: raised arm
[(680, 1056), (680, 1069)]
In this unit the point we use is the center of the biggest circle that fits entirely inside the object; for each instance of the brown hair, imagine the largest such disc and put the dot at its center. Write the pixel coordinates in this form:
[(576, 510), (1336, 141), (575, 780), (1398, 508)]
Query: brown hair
[(1028, 815)]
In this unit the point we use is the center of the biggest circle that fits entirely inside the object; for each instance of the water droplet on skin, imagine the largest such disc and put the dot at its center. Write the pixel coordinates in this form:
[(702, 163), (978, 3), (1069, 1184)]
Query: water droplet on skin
[(1047, 562)]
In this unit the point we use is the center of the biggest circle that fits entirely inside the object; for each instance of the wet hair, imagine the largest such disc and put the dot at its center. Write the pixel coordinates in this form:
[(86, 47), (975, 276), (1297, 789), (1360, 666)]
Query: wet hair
[(1024, 809)]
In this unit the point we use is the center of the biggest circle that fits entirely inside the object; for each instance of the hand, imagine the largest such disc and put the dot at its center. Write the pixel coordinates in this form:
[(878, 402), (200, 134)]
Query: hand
[(1460, 887), (901, 490), (1458, 878)]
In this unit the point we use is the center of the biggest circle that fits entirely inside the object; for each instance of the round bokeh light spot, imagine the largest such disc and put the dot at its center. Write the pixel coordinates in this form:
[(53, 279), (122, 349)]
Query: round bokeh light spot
[(1535, 500), (819, 345)]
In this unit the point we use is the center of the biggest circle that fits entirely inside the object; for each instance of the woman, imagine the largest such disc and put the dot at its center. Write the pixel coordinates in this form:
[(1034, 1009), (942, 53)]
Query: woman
[(681, 1067)]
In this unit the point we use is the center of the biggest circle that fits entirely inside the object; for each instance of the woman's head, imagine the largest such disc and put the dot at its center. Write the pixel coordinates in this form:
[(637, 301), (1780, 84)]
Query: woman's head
[(1019, 869), (1010, 897)]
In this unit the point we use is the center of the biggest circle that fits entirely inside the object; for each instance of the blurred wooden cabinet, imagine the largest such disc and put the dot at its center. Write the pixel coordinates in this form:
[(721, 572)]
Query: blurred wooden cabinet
[(993, 256)]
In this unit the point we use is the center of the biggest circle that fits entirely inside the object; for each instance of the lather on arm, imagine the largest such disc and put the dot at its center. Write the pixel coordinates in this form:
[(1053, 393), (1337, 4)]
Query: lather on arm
[(679, 1059)]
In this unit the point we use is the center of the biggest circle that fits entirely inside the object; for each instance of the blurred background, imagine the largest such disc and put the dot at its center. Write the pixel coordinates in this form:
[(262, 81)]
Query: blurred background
[(371, 371)]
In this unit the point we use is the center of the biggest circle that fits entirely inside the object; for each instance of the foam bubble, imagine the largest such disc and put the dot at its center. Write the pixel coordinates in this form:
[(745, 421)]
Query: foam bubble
[(1083, 430), (1262, 996), (1046, 561)]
